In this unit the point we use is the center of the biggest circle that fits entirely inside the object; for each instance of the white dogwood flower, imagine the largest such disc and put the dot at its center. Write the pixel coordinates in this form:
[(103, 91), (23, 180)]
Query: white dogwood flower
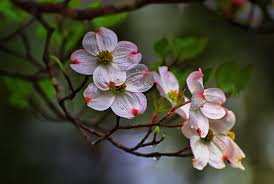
[(218, 146), (105, 58), (205, 103), (168, 86), (125, 100)]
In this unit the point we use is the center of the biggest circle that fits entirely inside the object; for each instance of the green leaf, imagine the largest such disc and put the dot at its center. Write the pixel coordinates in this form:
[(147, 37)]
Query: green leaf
[(20, 92), (155, 66), (47, 87), (231, 78), (157, 130), (109, 21), (162, 47), (188, 47), (59, 63), (95, 4)]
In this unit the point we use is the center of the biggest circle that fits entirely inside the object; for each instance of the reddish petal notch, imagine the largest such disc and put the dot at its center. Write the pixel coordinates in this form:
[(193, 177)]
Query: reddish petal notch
[(75, 62), (133, 53), (88, 99), (134, 111)]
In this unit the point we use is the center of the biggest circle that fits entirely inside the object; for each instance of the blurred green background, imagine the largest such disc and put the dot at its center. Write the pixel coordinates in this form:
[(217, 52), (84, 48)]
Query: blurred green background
[(42, 151)]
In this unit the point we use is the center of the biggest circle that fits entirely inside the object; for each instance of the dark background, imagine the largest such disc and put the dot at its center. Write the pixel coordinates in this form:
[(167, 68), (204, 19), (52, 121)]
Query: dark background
[(39, 151)]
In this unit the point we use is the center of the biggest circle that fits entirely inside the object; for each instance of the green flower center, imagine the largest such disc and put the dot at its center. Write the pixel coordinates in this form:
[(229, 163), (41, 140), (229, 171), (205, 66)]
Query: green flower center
[(117, 89), (173, 95), (209, 136), (104, 57)]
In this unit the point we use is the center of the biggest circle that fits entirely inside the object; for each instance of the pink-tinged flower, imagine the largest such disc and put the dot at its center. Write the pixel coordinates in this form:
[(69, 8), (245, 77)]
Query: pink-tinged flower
[(217, 147), (125, 100), (249, 14), (270, 10), (168, 86), (205, 103), (105, 58)]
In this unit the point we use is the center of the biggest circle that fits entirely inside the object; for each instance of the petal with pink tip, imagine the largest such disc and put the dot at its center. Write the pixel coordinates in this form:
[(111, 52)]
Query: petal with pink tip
[(215, 156), (168, 79), (139, 79), (90, 43), (104, 75), (126, 55), (193, 78), (129, 104), (83, 62), (187, 130), (97, 99), (213, 111), (223, 125), (159, 85), (200, 152), (215, 95), (199, 122), (184, 110), (106, 39)]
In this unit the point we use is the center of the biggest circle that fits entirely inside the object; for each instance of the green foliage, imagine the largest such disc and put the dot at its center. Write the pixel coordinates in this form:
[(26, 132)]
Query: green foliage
[(188, 47), (160, 104), (231, 78), (109, 21), (58, 62), (95, 4), (20, 92), (157, 130), (47, 87), (162, 47), (181, 75), (208, 72), (9, 12)]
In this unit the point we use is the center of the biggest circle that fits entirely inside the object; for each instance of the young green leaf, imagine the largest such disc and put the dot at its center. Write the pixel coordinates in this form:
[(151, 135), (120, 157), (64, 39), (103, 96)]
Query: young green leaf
[(57, 60), (188, 47), (110, 20), (162, 47)]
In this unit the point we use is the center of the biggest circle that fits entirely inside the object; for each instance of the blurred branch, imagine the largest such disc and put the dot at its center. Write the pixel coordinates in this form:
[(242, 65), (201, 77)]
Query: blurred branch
[(85, 14)]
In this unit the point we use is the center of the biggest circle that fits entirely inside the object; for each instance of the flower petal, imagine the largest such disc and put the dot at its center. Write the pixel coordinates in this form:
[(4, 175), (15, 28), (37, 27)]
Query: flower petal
[(90, 43), (231, 151), (168, 79), (159, 85), (97, 99), (215, 95), (223, 125), (129, 104), (215, 156), (241, 16), (184, 110), (104, 75), (256, 17), (106, 39), (139, 79), (83, 62), (200, 152), (270, 11), (193, 78), (199, 122), (126, 55), (187, 130), (213, 111)]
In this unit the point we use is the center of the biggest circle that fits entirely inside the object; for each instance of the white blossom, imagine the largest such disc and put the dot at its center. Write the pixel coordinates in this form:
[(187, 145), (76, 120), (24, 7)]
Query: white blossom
[(127, 99)]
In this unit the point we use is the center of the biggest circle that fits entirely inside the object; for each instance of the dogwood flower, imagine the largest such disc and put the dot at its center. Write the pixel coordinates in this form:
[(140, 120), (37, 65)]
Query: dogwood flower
[(270, 10), (205, 103), (125, 100), (249, 14), (168, 86), (105, 58), (218, 146)]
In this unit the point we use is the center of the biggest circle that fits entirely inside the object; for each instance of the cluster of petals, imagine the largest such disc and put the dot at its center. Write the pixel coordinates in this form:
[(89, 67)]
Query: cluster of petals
[(206, 122), (168, 86), (217, 147), (118, 78), (242, 12)]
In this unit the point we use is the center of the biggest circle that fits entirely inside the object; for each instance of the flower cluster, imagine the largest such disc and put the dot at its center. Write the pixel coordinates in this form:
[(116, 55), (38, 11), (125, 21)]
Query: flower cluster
[(206, 122), (118, 78), (242, 12)]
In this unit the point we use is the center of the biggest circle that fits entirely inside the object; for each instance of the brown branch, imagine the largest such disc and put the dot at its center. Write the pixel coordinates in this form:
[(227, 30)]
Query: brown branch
[(85, 14), (21, 76)]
